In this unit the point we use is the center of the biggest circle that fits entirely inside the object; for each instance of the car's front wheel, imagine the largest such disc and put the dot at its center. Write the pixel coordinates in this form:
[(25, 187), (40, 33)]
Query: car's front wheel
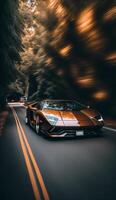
[(37, 128), (26, 120), (37, 125)]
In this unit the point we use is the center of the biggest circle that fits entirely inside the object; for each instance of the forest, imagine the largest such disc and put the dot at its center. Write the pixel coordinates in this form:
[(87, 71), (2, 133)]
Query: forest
[(59, 49)]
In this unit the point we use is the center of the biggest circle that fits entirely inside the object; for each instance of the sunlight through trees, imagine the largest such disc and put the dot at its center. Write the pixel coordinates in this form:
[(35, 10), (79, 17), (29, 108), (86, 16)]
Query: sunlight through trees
[(69, 49)]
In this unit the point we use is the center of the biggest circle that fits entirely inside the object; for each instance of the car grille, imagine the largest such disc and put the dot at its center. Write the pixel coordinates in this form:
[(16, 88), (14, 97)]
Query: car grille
[(72, 130)]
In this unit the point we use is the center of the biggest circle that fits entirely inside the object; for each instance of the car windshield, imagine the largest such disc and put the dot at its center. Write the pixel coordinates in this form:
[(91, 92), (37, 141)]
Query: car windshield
[(63, 105)]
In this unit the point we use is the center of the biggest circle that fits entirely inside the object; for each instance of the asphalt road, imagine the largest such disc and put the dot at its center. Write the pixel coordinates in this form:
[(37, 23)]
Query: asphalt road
[(34, 168)]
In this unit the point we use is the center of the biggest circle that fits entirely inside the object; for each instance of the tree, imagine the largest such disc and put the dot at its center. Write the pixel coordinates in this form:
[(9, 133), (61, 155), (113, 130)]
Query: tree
[(10, 45), (71, 45)]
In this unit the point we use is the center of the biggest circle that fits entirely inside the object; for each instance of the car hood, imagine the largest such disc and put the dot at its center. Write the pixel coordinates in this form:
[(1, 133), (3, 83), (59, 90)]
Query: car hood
[(72, 118)]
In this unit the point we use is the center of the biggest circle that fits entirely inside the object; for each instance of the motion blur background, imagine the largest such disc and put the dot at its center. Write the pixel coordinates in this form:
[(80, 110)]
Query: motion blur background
[(59, 49)]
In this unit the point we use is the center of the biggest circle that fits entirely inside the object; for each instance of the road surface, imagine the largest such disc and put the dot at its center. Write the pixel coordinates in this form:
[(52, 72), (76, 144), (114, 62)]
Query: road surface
[(35, 168)]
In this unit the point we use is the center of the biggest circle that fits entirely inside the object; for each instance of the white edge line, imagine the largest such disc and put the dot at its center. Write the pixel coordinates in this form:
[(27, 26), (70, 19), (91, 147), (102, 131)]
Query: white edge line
[(110, 129)]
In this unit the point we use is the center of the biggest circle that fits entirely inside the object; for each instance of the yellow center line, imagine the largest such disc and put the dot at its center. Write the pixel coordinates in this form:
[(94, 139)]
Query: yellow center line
[(27, 161), (35, 165)]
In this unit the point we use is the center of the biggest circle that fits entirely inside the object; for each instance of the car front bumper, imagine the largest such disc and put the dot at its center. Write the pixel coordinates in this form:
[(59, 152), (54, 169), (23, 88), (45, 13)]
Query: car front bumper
[(73, 131)]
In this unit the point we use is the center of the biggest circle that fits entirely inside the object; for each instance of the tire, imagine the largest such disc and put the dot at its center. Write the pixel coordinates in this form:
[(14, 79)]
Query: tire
[(37, 129), (26, 120)]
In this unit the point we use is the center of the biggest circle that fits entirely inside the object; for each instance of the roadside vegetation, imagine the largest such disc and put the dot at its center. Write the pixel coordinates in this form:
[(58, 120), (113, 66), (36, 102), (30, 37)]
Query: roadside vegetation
[(10, 45), (69, 51)]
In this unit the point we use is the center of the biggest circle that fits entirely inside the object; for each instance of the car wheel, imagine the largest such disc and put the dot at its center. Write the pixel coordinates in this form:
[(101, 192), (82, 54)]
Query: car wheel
[(37, 128), (26, 120)]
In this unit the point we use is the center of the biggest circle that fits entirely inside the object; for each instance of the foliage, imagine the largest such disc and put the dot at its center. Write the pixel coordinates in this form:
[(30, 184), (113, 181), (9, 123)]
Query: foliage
[(10, 45), (70, 50)]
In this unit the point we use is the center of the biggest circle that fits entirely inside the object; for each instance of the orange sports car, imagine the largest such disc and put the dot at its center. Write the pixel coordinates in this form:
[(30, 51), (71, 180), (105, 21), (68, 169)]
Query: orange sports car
[(63, 118)]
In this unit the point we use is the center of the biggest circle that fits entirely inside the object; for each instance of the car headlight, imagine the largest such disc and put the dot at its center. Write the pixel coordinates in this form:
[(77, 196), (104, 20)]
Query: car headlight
[(52, 119), (99, 118)]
